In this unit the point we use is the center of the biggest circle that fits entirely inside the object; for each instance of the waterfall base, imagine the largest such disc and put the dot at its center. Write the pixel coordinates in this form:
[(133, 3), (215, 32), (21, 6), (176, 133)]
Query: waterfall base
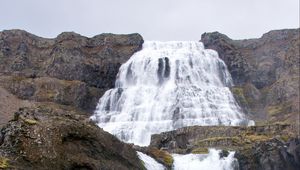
[(211, 160)]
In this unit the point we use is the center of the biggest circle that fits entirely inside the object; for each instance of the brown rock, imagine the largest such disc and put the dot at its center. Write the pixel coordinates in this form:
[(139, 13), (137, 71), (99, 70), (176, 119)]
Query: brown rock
[(50, 136), (266, 70)]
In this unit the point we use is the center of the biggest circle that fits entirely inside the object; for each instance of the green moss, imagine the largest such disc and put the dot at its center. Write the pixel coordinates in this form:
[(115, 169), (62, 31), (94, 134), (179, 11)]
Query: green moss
[(200, 151), (143, 163), (215, 139), (285, 138), (239, 93), (280, 112), (50, 95), (30, 121), (255, 138), (17, 78), (274, 110), (164, 156), (4, 163)]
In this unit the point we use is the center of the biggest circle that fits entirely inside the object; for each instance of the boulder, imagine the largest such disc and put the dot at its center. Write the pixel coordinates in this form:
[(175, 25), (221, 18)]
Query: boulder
[(51, 136)]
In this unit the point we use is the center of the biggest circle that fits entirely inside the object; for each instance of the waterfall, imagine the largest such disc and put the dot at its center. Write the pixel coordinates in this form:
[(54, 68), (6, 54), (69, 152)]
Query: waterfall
[(165, 86), (149, 162), (211, 160)]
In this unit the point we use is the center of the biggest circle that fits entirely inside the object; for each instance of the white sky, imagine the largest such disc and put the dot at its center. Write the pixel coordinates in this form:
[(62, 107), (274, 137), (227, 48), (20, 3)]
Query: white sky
[(153, 19)]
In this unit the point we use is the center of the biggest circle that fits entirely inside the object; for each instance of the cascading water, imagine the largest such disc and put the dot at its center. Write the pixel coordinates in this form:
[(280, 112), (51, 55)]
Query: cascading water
[(149, 162), (211, 160), (165, 86)]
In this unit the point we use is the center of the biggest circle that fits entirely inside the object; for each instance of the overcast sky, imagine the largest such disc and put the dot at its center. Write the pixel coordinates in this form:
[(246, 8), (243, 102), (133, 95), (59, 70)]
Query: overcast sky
[(153, 19)]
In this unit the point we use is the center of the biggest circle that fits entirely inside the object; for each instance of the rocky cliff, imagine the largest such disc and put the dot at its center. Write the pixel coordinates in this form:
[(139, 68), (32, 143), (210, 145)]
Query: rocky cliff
[(69, 69), (48, 89), (265, 72)]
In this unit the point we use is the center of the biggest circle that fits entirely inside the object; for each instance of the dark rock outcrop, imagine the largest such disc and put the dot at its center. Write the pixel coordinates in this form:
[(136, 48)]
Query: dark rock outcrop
[(187, 139), (273, 154), (51, 136), (271, 147), (265, 72)]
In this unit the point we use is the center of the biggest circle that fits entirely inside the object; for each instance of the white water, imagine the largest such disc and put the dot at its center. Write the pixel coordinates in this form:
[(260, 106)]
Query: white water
[(149, 162), (165, 86), (210, 161)]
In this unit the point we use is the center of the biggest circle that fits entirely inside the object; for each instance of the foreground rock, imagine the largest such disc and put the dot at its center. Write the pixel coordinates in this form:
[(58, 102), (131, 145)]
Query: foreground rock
[(265, 72), (51, 137)]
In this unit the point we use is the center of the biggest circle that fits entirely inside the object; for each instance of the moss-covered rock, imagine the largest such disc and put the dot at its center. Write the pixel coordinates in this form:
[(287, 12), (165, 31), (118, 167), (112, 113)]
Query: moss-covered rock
[(4, 163), (162, 156), (200, 151)]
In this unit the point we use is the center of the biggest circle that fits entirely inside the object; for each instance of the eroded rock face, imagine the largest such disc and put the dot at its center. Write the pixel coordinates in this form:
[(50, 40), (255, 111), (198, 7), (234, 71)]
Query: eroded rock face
[(270, 147), (50, 136), (271, 155), (265, 72), (69, 69)]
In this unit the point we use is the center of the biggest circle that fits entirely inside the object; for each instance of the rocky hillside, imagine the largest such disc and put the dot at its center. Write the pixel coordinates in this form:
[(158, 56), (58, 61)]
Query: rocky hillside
[(265, 72), (49, 88)]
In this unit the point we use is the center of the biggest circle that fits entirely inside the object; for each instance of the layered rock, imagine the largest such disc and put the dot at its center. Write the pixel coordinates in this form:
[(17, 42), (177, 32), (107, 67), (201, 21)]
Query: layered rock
[(51, 136), (265, 72), (69, 69)]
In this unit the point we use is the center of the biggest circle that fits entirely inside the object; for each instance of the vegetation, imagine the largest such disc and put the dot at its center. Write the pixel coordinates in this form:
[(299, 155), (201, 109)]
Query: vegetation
[(239, 93), (162, 156), (200, 151), (3, 163), (30, 121)]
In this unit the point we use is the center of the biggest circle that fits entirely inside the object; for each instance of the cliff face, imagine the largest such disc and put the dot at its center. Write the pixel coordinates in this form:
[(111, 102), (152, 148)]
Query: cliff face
[(69, 70), (53, 86), (265, 72)]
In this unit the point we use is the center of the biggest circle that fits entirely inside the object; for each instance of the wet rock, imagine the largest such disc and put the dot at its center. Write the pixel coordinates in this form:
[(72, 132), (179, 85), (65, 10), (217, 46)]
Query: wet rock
[(270, 155)]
